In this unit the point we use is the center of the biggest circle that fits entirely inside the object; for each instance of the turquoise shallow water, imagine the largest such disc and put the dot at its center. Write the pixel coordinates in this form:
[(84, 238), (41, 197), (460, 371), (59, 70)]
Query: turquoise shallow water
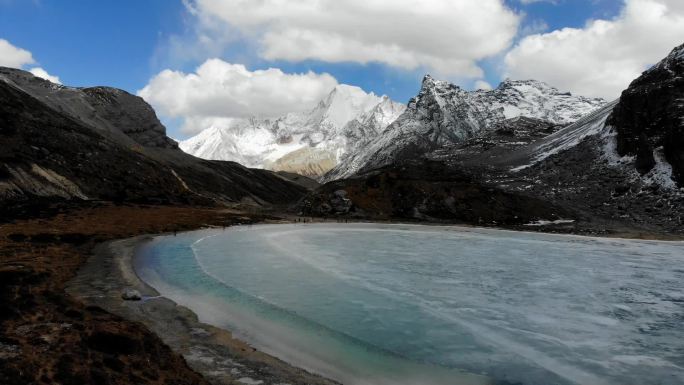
[(400, 304)]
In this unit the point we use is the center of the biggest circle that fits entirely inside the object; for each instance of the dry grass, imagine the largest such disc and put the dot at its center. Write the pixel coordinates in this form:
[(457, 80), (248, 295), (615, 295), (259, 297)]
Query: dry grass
[(46, 336)]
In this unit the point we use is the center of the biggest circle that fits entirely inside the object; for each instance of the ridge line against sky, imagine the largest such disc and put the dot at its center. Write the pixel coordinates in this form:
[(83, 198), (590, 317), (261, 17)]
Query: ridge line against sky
[(195, 60)]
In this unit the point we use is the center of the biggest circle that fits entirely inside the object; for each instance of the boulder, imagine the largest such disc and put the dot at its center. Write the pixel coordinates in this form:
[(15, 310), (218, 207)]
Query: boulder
[(131, 295), (340, 194)]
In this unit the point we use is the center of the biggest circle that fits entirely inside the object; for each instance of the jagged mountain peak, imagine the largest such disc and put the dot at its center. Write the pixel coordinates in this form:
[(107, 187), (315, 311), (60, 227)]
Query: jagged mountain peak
[(508, 82), (340, 106), (427, 79), (443, 114), (298, 142), (676, 57), (527, 85), (349, 91), (430, 83), (344, 94), (530, 98)]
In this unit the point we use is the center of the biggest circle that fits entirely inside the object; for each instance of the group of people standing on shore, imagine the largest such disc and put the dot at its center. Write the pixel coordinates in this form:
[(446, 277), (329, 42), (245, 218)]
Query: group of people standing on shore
[(310, 220)]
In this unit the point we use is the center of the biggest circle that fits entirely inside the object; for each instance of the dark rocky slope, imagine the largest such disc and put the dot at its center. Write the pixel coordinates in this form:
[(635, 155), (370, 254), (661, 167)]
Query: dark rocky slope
[(650, 116), (427, 190), (104, 144), (48, 337)]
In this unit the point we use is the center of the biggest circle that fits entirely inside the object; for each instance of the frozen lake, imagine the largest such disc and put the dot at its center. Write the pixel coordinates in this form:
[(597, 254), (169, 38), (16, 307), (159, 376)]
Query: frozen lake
[(404, 304)]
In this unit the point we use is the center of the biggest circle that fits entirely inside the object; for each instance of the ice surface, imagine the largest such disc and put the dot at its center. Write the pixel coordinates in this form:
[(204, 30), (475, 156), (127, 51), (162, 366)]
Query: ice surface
[(387, 304)]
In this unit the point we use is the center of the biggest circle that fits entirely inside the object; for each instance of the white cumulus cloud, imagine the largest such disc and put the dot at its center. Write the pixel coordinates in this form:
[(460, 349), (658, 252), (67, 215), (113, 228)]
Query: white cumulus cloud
[(219, 90), (482, 85), (602, 58), (445, 36), (11, 56), (41, 73)]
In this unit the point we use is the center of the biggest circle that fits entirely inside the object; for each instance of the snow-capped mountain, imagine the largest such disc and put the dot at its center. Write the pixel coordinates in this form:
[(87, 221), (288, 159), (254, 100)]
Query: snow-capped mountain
[(508, 156), (306, 143), (443, 114)]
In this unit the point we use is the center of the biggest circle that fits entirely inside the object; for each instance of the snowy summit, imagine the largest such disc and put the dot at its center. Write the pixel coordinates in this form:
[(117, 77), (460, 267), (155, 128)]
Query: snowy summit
[(308, 143)]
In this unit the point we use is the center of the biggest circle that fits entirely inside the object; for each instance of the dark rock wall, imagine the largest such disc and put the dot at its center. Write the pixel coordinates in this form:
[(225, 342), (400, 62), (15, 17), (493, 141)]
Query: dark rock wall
[(131, 115), (651, 114), (427, 190)]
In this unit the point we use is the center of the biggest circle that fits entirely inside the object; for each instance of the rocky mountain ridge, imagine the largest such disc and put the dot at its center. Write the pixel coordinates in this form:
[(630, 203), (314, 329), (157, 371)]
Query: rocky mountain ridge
[(110, 111), (443, 114)]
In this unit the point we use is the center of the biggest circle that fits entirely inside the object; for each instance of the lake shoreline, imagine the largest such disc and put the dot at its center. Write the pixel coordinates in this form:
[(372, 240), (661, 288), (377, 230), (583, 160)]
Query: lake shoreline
[(211, 351)]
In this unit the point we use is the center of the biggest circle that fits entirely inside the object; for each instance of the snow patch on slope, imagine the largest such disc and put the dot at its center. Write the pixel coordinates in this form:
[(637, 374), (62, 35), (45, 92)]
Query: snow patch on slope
[(590, 125), (661, 173), (594, 124)]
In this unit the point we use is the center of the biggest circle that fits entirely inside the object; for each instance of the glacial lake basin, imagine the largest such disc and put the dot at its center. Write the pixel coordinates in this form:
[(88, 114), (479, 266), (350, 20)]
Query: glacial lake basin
[(410, 304)]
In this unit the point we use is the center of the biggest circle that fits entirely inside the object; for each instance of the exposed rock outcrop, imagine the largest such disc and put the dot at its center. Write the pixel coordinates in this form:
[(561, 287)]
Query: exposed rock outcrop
[(131, 295), (427, 191), (650, 116)]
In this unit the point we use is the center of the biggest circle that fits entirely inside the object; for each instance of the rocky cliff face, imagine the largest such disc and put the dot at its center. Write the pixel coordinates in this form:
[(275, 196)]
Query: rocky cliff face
[(129, 114), (104, 144), (308, 143), (443, 114), (649, 119)]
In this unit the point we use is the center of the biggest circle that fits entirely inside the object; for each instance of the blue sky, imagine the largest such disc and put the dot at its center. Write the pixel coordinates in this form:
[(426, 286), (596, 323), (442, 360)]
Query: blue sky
[(92, 42), (115, 42), (125, 43)]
